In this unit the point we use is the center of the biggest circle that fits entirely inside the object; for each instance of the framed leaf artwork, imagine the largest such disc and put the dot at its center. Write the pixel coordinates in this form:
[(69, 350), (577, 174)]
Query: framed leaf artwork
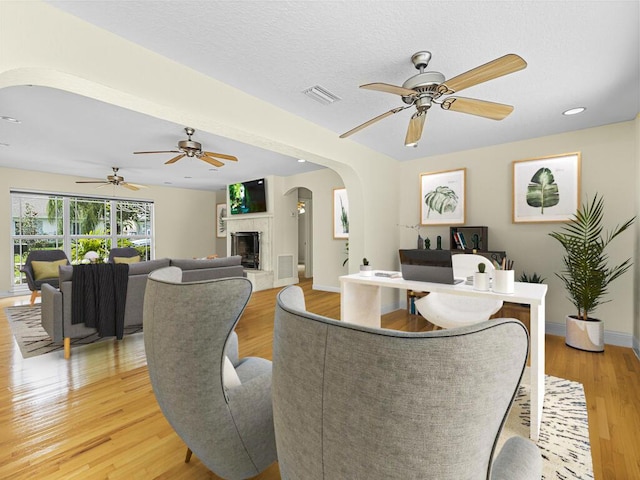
[(221, 222), (442, 197), (340, 213), (546, 189)]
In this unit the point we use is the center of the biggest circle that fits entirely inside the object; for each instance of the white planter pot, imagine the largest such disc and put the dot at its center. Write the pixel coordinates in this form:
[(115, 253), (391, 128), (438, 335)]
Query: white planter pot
[(585, 335), (481, 281), (366, 270)]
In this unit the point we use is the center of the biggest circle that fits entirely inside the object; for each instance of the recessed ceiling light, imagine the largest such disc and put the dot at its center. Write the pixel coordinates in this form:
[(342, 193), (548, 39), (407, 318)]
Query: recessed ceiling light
[(574, 111), (9, 119), (301, 160), (168, 183)]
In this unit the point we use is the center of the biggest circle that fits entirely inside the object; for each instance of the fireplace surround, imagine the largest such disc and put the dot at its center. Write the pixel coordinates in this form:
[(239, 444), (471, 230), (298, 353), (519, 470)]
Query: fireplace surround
[(247, 245)]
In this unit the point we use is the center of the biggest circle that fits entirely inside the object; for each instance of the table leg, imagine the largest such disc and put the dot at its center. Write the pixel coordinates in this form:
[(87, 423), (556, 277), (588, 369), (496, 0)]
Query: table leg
[(360, 304), (537, 367)]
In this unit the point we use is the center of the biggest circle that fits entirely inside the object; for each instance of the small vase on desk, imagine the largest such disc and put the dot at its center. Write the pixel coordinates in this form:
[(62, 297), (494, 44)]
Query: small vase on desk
[(481, 281)]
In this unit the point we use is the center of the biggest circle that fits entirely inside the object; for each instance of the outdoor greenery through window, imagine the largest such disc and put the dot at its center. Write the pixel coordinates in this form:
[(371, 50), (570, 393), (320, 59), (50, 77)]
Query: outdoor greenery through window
[(77, 225)]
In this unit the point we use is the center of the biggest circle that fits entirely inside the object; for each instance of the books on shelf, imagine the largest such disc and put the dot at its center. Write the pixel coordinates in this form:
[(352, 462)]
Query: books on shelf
[(458, 237)]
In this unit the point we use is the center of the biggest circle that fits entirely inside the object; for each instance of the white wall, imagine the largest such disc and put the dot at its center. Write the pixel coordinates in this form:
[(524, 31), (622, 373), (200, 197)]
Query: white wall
[(184, 219), (609, 163)]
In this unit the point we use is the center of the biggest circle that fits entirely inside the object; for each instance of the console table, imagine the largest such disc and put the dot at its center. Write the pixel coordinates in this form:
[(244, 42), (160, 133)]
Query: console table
[(360, 299)]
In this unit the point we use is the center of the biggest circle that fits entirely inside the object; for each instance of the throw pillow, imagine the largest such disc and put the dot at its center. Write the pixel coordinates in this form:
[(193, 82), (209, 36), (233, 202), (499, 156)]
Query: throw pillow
[(135, 259), (230, 377), (42, 269)]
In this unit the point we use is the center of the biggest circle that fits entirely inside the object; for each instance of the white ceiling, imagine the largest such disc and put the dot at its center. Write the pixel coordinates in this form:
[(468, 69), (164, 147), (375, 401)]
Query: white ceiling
[(579, 53)]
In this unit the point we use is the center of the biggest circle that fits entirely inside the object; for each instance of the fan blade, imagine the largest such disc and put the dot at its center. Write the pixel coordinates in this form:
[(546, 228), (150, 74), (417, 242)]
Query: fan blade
[(373, 120), (221, 155), (160, 151), (175, 159), (481, 108), (94, 181), (414, 132), (130, 186), (388, 88), (497, 68), (212, 161)]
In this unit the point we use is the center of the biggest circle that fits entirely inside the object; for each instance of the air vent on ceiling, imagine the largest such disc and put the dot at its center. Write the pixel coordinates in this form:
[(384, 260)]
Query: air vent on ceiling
[(320, 94)]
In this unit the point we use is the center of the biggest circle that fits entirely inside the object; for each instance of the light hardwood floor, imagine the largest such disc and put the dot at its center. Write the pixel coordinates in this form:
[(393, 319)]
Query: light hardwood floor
[(95, 416)]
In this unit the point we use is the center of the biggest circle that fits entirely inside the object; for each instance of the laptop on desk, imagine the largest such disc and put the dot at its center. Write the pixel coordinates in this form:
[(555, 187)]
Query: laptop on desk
[(433, 266)]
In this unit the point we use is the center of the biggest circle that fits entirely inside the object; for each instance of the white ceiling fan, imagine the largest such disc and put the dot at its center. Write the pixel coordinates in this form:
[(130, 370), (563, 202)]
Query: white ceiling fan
[(425, 89), (116, 180)]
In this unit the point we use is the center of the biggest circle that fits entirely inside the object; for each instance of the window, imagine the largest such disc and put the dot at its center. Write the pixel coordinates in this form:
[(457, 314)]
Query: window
[(77, 225)]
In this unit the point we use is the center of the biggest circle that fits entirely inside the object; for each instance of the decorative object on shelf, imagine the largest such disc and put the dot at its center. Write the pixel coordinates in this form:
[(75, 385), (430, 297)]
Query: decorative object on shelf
[(586, 274), (420, 242), (366, 270), (443, 197), (340, 213), (475, 241), (481, 278), (469, 238), (546, 189), (439, 243), (427, 244), (221, 222)]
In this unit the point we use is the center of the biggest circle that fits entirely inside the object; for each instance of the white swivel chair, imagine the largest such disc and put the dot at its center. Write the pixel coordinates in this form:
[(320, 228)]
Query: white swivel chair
[(450, 311)]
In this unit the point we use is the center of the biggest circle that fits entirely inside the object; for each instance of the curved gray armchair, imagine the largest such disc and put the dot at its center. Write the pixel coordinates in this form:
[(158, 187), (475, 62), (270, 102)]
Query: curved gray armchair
[(353, 402), (126, 252), (188, 331), (35, 285)]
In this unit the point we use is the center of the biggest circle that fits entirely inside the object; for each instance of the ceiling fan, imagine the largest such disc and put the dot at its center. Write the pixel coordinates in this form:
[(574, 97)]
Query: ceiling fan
[(190, 148), (115, 180), (426, 88)]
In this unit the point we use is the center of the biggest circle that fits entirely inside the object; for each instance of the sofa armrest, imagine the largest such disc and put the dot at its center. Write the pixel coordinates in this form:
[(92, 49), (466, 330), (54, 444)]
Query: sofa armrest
[(52, 320), (232, 348)]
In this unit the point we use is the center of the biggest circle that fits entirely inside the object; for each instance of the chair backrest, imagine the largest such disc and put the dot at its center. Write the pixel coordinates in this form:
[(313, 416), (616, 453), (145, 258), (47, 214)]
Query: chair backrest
[(186, 329), (465, 264), (41, 256), (124, 252), (358, 402)]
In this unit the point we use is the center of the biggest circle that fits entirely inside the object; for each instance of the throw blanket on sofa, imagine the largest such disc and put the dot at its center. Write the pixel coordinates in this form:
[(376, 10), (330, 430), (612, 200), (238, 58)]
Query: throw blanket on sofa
[(99, 296)]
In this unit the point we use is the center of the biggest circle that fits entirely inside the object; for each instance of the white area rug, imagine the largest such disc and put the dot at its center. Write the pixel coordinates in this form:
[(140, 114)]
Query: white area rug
[(564, 435)]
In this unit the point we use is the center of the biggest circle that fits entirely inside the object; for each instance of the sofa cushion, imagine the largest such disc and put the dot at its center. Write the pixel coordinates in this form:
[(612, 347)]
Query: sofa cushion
[(196, 263), (144, 268), (129, 260), (42, 269)]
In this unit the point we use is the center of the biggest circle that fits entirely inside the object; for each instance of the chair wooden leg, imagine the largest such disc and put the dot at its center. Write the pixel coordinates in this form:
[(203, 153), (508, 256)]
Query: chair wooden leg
[(67, 347), (188, 457), (34, 295)]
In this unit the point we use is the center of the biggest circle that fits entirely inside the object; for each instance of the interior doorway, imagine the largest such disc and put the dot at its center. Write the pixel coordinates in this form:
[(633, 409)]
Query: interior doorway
[(305, 233)]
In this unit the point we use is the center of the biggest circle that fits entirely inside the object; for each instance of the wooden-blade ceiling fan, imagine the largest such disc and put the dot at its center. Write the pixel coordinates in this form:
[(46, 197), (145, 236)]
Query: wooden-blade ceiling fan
[(116, 180), (191, 148), (426, 88)]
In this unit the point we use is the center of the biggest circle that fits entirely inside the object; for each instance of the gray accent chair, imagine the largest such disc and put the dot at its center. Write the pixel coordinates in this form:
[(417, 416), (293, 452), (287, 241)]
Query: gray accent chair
[(126, 252), (41, 256), (353, 402), (188, 331)]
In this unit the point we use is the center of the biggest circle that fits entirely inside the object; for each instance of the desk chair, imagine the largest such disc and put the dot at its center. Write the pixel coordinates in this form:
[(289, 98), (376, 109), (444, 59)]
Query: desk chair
[(450, 311), (352, 402)]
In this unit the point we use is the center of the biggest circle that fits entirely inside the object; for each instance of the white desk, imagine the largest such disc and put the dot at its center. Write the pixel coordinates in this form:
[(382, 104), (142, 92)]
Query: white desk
[(360, 303)]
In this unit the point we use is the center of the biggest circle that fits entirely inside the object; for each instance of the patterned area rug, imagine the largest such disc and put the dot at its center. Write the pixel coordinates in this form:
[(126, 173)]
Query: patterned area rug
[(33, 340), (564, 435)]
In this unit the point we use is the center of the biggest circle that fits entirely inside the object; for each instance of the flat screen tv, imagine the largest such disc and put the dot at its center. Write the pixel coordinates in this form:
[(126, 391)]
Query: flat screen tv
[(248, 197)]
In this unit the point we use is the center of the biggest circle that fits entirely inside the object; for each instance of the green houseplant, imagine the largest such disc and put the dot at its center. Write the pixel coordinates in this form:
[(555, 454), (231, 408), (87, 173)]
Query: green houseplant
[(587, 273)]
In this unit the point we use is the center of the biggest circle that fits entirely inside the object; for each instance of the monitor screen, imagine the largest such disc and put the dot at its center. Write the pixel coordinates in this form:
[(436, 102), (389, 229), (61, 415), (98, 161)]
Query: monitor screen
[(247, 197)]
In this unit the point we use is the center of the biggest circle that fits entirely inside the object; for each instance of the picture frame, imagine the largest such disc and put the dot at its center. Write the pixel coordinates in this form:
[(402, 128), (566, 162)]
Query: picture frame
[(221, 222), (546, 189), (443, 197), (340, 214)]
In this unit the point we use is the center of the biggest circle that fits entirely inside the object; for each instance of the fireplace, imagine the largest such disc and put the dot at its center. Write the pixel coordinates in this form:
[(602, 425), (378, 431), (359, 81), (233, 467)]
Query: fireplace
[(247, 245)]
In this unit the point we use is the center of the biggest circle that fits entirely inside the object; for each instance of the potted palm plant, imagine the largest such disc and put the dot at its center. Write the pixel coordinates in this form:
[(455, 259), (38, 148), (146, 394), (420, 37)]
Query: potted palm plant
[(587, 274)]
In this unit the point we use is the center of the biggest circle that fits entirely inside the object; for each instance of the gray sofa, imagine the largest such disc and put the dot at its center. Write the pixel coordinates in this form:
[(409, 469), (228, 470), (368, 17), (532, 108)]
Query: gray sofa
[(57, 306)]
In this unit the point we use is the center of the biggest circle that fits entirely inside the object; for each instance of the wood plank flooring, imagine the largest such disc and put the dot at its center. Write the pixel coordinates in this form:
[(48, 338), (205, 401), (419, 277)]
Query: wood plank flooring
[(95, 416)]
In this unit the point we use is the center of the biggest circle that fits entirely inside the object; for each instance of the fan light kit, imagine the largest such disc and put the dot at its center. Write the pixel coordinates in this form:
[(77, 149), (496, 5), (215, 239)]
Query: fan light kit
[(191, 148), (115, 180), (426, 88)]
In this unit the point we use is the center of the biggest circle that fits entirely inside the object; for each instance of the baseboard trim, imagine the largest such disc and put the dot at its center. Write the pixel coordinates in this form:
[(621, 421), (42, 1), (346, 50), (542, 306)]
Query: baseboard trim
[(325, 288)]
